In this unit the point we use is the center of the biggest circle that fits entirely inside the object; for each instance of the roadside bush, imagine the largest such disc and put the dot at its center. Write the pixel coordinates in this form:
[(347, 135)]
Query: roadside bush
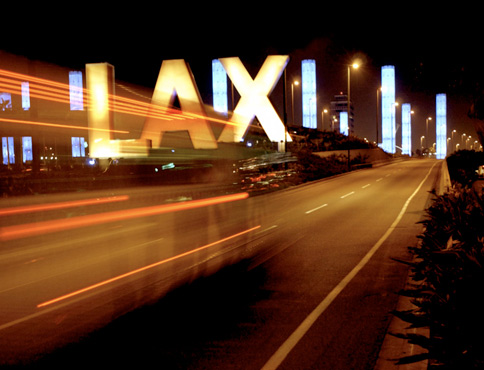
[(312, 167), (448, 281), (463, 165)]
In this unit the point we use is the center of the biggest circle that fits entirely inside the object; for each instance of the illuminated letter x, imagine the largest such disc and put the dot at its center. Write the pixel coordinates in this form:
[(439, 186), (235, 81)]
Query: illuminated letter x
[(254, 100)]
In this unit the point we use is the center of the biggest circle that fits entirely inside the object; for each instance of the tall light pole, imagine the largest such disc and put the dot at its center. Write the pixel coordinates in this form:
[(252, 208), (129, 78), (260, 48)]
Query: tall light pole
[(427, 131), (322, 118), (394, 129), (355, 65), (452, 140), (292, 98)]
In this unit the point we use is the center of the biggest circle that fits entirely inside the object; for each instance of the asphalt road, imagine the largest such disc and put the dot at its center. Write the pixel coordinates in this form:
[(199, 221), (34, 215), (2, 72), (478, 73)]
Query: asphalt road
[(314, 292)]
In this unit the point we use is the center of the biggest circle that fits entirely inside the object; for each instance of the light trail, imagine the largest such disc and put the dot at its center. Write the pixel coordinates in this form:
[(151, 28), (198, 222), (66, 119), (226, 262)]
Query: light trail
[(145, 268), (46, 124), (61, 205), (60, 93), (51, 226)]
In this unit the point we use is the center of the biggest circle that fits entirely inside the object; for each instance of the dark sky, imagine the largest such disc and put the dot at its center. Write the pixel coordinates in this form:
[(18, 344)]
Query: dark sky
[(433, 49)]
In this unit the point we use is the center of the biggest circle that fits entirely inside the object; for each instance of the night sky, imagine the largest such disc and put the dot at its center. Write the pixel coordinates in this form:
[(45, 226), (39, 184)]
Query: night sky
[(434, 51)]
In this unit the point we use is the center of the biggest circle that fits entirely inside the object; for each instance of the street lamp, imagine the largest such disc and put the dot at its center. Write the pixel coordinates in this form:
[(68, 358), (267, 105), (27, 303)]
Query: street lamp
[(452, 140), (355, 65), (292, 99), (427, 131), (394, 133), (322, 118)]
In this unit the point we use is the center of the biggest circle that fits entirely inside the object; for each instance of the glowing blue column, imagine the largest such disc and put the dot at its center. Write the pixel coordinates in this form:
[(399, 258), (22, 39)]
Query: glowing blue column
[(406, 129), (308, 67), (388, 108), (75, 90), (219, 87), (343, 123), (441, 126)]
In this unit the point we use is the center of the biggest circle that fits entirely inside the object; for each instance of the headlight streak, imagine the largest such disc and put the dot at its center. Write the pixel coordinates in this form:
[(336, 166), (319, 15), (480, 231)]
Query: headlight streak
[(145, 268), (51, 226)]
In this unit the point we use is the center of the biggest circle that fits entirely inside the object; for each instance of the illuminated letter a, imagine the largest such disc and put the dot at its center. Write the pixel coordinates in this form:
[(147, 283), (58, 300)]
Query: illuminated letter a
[(175, 78)]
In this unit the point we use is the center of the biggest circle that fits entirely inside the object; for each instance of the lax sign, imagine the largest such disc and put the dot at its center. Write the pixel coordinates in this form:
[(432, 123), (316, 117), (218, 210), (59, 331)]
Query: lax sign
[(175, 79)]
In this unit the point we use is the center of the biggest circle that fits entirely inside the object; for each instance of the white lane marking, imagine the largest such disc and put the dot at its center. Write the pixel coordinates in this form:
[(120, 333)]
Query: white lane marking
[(347, 195), (315, 209), (381, 178), (269, 228), (279, 356), (365, 186)]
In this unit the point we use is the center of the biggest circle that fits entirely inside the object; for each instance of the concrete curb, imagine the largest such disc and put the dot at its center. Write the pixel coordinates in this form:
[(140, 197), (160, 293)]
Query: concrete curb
[(394, 348)]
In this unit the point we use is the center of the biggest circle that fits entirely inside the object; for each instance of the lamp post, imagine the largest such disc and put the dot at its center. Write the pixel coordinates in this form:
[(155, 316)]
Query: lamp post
[(427, 131), (452, 140), (322, 118), (394, 130), (355, 65), (292, 98)]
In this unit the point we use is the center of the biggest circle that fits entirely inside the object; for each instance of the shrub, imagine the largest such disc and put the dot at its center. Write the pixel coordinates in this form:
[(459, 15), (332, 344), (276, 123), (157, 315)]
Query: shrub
[(448, 279)]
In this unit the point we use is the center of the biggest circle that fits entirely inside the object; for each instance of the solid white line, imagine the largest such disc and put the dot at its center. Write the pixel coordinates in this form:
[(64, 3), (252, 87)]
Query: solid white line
[(279, 356), (315, 209), (347, 195)]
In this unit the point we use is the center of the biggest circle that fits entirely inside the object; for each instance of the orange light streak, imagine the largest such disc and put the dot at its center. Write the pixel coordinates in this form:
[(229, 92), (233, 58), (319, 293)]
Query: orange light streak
[(51, 226), (45, 124), (60, 93), (145, 268), (61, 205)]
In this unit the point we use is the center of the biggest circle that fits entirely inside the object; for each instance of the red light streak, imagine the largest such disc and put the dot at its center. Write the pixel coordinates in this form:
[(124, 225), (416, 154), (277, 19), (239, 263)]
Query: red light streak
[(61, 205), (51, 226), (133, 272)]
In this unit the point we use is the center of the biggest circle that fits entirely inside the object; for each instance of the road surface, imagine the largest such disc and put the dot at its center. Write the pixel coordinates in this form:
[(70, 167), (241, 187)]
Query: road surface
[(317, 295)]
